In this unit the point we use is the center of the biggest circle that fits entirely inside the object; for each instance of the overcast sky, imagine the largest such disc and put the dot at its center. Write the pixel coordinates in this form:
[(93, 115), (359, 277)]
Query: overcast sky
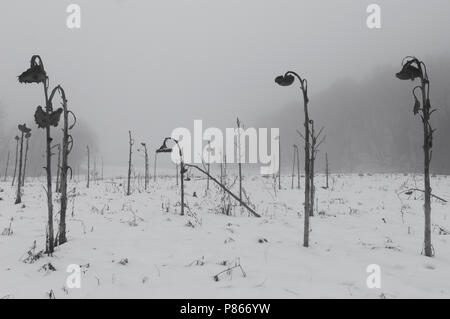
[(154, 65)]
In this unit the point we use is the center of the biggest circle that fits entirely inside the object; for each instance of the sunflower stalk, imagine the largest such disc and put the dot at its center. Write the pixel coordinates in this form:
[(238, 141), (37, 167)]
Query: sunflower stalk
[(412, 69), (44, 119)]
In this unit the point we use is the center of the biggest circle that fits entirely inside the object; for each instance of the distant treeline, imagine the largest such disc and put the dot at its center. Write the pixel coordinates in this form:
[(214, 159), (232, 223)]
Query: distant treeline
[(370, 124)]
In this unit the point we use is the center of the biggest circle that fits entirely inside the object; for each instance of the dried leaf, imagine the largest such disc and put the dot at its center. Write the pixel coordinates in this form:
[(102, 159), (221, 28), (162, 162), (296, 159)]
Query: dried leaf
[(44, 120), (416, 105)]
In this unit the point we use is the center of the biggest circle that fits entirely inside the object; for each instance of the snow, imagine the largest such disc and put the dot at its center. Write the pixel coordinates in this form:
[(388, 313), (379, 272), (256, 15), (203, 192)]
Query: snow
[(358, 223)]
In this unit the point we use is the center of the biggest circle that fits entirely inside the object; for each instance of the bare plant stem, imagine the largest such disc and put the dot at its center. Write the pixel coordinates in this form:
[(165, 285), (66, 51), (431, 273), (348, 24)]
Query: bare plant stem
[(147, 176), (88, 166), (19, 180), (25, 161), (15, 165), (129, 163), (58, 170), (64, 170), (293, 167), (327, 172), (50, 235), (239, 162), (313, 158), (427, 140), (7, 165)]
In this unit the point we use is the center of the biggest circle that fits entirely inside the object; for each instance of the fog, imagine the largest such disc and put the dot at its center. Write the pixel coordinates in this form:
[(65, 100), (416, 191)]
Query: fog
[(152, 66), (370, 125)]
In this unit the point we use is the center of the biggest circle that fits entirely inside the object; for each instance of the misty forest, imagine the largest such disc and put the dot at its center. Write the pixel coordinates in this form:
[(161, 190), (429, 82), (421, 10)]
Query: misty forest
[(99, 199)]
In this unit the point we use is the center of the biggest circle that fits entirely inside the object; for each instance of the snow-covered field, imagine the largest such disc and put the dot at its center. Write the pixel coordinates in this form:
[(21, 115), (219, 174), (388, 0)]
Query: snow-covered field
[(139, 245)]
